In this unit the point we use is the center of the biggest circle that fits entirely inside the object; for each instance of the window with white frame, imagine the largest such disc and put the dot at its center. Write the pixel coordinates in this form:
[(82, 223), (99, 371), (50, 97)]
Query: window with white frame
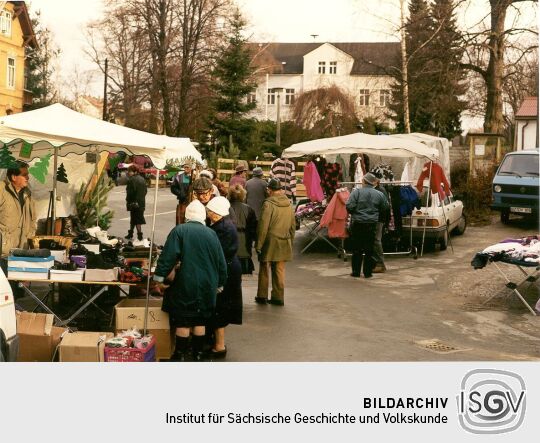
[(364, 97), (322, 67), (332, 69), (271, 97), (384, 97), (10, 72), (289, 96), (5, 23), (251, 98)]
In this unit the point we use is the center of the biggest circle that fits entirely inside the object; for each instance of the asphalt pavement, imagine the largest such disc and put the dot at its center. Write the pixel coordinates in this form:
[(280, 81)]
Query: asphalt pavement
[(430, 309)]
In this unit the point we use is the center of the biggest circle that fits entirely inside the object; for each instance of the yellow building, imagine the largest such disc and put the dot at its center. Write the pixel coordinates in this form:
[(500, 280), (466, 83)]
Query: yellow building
[(16, 34)]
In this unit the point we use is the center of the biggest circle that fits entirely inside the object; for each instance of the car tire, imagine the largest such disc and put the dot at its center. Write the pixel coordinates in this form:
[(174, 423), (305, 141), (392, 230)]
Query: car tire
[(443, 242), (461, 226), (505, 217)]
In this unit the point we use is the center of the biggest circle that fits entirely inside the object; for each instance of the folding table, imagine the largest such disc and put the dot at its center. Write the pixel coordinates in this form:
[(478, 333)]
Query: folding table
[(531, 275), (87, 300), (313, 224)]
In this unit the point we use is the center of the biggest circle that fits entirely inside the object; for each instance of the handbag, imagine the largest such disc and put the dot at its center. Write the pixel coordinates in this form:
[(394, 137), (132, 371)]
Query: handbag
[(132, 206)]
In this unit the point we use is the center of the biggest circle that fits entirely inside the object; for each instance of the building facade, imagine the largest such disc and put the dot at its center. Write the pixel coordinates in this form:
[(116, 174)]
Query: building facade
[(362, 70), (526, 132), (16, 35)]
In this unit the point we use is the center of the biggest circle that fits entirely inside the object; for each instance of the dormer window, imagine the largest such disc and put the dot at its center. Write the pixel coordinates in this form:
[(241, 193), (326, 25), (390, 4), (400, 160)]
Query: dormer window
[(322, 67), (332, 68), (5, 23)]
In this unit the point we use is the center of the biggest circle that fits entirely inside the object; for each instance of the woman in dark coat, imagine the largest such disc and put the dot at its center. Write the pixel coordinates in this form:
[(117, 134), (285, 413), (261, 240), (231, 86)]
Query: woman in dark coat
[(229, 302), (135, 201), (246, 227), (191, 297)]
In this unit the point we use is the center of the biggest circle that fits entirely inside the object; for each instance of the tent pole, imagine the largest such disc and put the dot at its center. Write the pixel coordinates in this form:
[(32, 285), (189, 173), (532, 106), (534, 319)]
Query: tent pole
[(427, 207), (150, 253), (54, 193)]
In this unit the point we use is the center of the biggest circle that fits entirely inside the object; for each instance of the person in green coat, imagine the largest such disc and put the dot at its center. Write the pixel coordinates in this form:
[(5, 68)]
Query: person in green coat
[(194, 255), (275, 235)]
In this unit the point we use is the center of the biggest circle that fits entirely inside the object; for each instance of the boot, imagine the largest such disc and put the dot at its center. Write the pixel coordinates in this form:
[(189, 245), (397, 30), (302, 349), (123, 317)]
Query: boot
[(78, 228), (181, 350), (198, 348), (129, 235), (139, 236), (67, 229)]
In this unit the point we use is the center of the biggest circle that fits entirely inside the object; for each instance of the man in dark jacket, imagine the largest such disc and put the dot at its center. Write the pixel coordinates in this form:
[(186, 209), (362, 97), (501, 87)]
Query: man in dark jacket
[(256, 191), (181, 187), (135, 201), (365, 204), (275, 235), (191, 297)]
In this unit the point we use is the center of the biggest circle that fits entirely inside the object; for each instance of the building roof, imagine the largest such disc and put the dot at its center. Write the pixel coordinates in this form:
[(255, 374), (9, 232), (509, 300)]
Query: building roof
[(377, 58), (21, 11), (529, 108)]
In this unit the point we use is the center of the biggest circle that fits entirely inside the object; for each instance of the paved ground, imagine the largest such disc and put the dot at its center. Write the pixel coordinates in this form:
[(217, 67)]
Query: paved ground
[(329, 316)]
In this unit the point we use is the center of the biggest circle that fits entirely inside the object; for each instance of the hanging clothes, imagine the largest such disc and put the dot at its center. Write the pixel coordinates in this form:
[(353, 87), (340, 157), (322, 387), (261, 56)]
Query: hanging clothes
[(439, 184), (335, 216), (331, 178), (312, 182), (283, 170), (344, 166), (383, 171), (360, 170), (408, 200)]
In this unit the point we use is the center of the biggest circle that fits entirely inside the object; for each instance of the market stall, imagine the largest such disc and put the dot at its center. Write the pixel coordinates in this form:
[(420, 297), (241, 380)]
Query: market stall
[(57, 131), (408, 148)]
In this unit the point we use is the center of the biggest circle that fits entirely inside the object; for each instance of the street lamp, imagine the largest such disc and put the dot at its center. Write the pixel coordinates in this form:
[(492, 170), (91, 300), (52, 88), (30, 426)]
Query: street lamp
[(278, 91)]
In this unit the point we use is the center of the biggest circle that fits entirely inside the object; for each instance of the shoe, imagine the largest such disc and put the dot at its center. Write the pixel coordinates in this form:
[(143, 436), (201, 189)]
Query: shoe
[(379, 269), (261, 300), (200, 357), (276, 302), (180, 356), (367, 276), (129, 235), (217, 355), (139, 236), (355, 275)]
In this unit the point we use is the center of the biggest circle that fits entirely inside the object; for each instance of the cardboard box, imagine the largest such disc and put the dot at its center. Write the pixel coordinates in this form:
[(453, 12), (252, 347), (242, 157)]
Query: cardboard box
[(38, 338), (83, 346), (101, 275), (129, 313), (61, 275)]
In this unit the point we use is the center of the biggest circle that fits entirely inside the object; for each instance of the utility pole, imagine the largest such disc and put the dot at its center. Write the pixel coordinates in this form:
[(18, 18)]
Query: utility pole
[(105, 104), (404, 70), (278, 91)]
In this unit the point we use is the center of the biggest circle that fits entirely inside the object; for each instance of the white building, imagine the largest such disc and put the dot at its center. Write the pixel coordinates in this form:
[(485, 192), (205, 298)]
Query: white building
[(526, 135), (363, 70)]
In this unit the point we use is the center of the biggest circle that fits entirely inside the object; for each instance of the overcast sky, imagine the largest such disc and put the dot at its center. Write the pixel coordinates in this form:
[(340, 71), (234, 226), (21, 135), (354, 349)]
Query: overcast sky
[(270, 20)]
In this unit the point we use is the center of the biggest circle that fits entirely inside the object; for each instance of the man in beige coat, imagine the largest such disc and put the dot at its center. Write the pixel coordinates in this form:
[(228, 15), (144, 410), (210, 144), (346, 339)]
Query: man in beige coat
[(17, 210), (275, 235)]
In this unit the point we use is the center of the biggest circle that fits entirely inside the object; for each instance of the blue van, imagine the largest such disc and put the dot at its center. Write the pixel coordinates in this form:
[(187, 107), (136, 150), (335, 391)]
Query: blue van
[(515, 185)]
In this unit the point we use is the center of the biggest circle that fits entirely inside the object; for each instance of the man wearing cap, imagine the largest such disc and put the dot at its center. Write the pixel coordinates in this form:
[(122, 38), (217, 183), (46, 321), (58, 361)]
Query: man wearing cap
[(240, 177), (204, 192), (256, 191), (202, 272), (275, 235), (181, 187), (365, 204)]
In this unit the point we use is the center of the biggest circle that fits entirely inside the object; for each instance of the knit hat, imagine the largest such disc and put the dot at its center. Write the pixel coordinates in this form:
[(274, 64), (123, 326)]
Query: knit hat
[(195, 212), (274, 185), (370, 179), (202, 184), (219, 205), (206, 173), (257, 172), (240, 168)]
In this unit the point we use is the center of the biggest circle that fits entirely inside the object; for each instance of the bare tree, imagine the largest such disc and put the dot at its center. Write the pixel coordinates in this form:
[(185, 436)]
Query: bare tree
[(326, 110), (486, 55), (121, 40)]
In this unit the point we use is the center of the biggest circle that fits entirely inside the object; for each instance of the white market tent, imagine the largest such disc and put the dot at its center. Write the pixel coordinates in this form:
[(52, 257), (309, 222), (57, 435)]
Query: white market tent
[(361, 143), (71, 132), (60, 131)]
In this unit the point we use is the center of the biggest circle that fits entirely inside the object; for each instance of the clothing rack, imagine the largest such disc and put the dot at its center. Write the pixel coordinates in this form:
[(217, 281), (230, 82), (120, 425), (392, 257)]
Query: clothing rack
[(412, 249)]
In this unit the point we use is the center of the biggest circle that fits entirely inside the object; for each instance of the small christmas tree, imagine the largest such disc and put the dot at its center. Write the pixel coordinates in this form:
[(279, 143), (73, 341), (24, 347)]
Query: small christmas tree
[(7, 160), (61, 175), (40, 169)]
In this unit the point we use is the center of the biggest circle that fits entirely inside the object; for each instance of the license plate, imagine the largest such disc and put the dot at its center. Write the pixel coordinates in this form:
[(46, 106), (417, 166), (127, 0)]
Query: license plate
[(521, 210)]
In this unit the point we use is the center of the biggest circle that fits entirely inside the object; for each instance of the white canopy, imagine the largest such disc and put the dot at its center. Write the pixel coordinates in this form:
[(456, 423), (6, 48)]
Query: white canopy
[(73, 132), (382, 145)]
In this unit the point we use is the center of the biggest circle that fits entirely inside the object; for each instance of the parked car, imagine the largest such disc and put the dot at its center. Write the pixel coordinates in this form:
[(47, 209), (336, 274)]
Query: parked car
[(516, 184), (436, 218)]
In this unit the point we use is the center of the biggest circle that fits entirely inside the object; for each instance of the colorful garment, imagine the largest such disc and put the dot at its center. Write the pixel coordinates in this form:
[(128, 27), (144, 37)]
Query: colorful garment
[(312, 182), (284, 171)]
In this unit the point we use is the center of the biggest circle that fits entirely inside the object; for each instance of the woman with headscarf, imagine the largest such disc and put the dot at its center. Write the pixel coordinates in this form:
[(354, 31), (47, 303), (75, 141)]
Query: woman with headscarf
[(246, 227), (229, 302)]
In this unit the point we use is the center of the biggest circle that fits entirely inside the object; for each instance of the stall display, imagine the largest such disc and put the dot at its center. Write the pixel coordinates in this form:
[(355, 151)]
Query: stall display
[(521, 252)]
